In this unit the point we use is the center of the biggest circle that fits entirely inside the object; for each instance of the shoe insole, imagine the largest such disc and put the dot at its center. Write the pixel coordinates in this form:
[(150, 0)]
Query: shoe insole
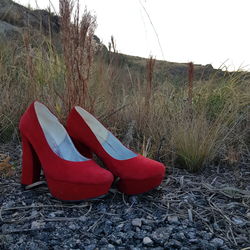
[(56, 135), (116, 149), (65, 149), (108, 141)]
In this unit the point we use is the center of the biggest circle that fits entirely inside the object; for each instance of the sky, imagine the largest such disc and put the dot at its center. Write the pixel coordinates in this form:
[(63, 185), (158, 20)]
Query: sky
[(202, 31)]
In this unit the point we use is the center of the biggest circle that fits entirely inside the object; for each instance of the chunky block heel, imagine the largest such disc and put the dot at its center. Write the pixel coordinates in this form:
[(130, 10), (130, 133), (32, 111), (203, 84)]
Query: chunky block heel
[(31, 166)]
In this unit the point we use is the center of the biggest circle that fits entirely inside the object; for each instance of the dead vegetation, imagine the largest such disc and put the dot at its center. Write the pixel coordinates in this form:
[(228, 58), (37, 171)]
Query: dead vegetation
[(189, 125)]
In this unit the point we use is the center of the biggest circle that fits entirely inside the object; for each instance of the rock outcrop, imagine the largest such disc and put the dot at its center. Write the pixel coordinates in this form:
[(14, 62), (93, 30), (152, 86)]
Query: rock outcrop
[(8, 30), (15, 17)]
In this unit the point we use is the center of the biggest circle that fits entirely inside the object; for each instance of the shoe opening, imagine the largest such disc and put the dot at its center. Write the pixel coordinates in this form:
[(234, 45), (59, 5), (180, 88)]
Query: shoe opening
[(108, 141), (56, 135)]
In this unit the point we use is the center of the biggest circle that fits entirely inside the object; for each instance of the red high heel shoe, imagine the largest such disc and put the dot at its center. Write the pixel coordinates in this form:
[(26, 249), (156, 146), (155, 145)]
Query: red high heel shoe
[(137, 174), (46, 143)]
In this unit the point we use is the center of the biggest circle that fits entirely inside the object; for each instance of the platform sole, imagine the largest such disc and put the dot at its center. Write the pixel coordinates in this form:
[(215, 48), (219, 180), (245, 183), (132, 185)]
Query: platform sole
[(67, 191), (132, 186)]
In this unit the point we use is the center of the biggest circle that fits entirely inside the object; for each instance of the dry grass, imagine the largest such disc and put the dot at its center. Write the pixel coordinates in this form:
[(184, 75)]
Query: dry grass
[(77, 43), (190, 125), (193, 136)]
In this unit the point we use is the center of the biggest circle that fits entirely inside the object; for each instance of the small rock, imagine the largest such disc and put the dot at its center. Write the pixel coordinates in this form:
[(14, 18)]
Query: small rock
[(140, 235), (147, 228), (34, 213), (191, 235), (238, 221), (20, 241), (175, 243), (179, 236), (120, 226), (103, 241), (33, 245), (118, 242), (133, 199), (127, 227), (225, 247), (9, 204), (147, 241), (110, 246), (129, 235), (37, 224), (72, 226), (173, 219), (52, 215), (192, 241), (5, 228), (59, 212), (113, 239), (15, 214), (148, 221), (107, 227), (203, 244), (87, 242), (160, 235), (82, 218), (206, 236), (248, 215), (216, 227), (217, 242), (90, 247), (137, 222), (7, 239)]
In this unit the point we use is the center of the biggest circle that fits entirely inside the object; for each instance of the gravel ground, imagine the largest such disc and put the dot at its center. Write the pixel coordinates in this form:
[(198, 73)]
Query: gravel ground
[(209, 210)]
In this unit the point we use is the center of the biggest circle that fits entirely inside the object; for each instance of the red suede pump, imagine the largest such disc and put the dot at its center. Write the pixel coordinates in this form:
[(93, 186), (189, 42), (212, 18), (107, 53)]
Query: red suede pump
[(47, 145), (137, 174)]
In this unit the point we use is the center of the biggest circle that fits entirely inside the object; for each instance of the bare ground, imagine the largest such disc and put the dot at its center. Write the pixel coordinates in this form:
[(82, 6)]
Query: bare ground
[(208, 210)]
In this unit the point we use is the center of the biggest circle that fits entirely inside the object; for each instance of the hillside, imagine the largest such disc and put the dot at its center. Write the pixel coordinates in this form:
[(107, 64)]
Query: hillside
[(172, 71), (15, 19)]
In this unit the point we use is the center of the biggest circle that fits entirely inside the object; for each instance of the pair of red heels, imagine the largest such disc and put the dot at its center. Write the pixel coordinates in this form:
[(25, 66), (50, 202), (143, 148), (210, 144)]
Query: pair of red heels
[(65, 156)]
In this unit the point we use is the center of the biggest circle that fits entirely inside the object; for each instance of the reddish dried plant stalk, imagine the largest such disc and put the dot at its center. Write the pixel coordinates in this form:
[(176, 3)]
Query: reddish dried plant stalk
[(190, 83), (78, 49), (150, 73)]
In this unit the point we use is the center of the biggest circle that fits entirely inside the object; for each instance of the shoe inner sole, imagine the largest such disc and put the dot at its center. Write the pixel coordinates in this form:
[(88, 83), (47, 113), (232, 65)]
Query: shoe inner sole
[(56, 135), (108, 141)]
